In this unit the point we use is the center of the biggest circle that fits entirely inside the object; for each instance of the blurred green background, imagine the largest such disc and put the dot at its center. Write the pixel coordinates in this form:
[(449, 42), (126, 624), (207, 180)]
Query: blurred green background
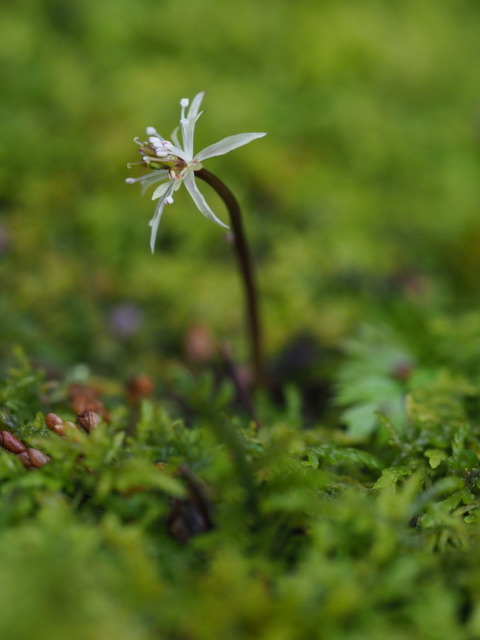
[(364, 195)]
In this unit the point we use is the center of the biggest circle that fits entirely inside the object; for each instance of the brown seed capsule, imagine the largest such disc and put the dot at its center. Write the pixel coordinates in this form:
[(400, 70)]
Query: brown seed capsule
[(84, 398), (52, 421), (88, 420), (37, 458), (11, 443), (25, 460), (199, 344), (139, 387), (402, 371), (59, 429)]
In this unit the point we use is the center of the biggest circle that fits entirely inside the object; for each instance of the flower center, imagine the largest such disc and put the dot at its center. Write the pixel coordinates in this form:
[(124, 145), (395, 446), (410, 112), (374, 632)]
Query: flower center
[(157, 154)]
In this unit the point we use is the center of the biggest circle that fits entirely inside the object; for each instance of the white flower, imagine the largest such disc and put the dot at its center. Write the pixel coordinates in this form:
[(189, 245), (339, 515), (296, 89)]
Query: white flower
[(174, 164)]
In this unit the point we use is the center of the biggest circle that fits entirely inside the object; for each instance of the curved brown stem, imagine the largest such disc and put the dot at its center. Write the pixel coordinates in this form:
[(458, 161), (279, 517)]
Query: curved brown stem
[(246, 270)]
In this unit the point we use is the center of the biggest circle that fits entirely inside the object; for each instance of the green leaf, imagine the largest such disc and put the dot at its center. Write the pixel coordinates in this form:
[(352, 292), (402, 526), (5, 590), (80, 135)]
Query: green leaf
[(390, 477), (435, 457)]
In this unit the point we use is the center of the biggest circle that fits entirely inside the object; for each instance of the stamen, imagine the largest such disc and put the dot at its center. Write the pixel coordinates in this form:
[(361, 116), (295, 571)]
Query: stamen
[(184, 102), (168, 200)]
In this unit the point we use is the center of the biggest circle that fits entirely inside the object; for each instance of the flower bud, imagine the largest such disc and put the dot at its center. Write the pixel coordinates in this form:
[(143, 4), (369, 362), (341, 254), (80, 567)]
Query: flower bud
[(37, 458), (11, 443), (139, 387), (52, 420), (25, 460), (88, 420)]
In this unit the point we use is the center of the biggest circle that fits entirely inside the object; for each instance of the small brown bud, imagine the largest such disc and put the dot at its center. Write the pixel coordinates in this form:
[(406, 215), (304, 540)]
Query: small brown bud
[(37, 458), (11, 443), (88, 420), (52, 421), (25, 460), (59, 429), (84, 398), (199, 344), (402, 371), (139, 387)]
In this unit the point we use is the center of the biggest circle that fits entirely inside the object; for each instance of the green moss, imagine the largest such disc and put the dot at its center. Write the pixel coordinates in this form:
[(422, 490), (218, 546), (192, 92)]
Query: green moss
[(305, 531)]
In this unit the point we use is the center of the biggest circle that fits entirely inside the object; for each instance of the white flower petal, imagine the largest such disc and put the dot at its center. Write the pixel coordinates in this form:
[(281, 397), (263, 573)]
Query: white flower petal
[(149, 178), (155, 177), (227, 144), (160, 191), (188, 124), (195, 106), (188, 135), (188, 129), (155, 221), (181, 153), (174, 137), (200, 201)]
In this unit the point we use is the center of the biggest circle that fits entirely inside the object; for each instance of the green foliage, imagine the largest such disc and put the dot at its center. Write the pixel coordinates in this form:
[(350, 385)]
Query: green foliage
[(371, 381), (19, 392), (368, 540)]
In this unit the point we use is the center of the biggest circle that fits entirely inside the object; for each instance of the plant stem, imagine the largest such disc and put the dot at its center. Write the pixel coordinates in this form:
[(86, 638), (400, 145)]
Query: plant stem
[(246, 271)]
